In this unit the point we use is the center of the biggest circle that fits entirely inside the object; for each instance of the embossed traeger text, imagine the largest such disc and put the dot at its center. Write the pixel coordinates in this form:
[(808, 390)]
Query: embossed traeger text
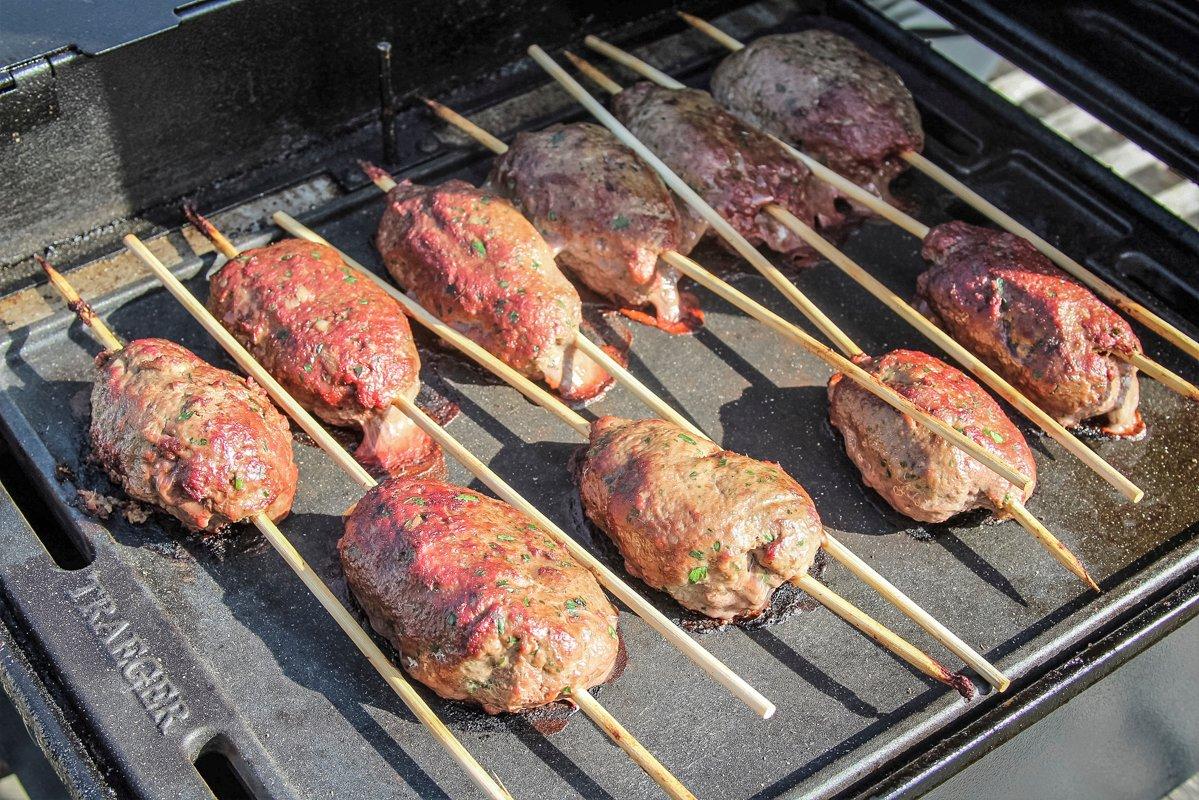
[(140, 669)]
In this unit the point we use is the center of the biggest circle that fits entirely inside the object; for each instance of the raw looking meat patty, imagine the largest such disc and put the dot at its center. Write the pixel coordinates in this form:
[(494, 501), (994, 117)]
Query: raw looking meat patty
[(1033, 324), (734, 167), (829, 98), (919, 473), (716, 530), (333, 339), (198, 442), (482, 604), (606, 214), (474, 262)]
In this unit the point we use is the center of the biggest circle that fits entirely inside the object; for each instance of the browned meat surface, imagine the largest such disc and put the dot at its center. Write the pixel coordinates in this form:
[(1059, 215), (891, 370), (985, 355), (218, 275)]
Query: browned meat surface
[(920, 474), (1034, 325), (472, 260), (606, 214), (736, 168), (716, 530), (827, 96), (200, 443), (335, 341), (481, 604)]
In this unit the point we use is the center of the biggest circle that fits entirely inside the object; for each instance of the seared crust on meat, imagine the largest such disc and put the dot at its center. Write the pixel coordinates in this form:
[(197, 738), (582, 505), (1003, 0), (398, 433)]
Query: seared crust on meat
[(1033, 324), (481, 603), (736, 168), (606, 214), (919, 473), (829, 97), (716, 530), (472, 260), (332, 338), (198, 442)]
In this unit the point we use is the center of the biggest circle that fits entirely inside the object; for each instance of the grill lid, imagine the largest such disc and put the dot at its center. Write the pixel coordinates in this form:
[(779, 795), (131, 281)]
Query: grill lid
[(33, 30)]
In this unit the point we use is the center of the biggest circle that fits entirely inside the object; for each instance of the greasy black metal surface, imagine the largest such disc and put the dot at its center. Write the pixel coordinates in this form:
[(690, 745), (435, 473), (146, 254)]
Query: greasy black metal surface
[(276, 686), (1132, 65)]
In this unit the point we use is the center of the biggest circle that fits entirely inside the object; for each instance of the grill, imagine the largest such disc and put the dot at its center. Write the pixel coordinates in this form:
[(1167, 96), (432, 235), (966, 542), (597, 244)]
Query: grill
[(152, 665)]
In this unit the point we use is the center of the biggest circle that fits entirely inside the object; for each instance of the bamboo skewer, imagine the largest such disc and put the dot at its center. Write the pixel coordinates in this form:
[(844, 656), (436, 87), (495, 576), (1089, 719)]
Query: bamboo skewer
[(1097, 284), (623, 739), (589, 705), (448, 334), (856, 566), (997, 383), (881, 634), (1004, 220), (875, 387), (486, 783), (602, 718), (593, 351)]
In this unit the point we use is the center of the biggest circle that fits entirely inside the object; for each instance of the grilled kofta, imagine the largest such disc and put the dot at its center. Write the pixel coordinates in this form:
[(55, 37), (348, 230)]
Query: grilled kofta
[(717, 531), (919, 473), (334, 340), (1033, 324), (481, 604), (198, 442), (736, 168), (829, 98), (605, 213), (472, 260)]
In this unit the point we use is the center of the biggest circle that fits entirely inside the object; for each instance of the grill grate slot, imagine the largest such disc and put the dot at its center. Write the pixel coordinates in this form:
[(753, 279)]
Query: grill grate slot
[(60, 544), (218, 772)]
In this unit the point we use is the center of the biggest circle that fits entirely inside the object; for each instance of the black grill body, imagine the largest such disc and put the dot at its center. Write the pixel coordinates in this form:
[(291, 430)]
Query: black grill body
[(263, 682)]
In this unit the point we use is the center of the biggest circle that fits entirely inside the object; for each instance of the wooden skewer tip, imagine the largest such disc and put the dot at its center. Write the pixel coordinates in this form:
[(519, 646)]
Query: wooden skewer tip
[(625, 740), (379, 176)]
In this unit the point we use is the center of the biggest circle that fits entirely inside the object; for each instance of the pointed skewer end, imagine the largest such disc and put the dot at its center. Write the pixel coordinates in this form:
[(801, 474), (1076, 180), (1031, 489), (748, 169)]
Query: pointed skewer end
[(198, 220), (962, 685), (378, 176)]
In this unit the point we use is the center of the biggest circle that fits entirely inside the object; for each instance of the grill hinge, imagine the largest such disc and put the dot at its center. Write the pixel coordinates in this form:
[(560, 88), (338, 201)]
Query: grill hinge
[(29, 94)]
